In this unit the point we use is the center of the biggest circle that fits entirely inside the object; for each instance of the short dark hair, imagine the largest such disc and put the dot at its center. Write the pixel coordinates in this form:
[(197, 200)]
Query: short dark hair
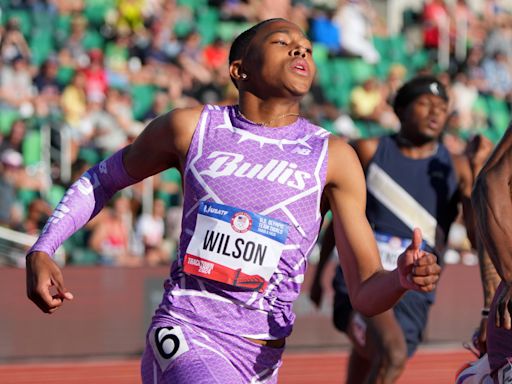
[(243, 40), (417, 86)]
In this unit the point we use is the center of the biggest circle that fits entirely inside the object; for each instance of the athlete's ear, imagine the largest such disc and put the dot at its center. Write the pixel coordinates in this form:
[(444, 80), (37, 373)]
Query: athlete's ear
[(236, 72)]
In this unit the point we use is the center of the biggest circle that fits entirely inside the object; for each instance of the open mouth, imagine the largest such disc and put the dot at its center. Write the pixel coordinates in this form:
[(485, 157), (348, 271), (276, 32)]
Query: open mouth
[(301, 67)]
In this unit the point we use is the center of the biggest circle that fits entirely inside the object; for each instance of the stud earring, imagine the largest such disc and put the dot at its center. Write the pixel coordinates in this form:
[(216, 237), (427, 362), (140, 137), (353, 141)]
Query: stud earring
[(244, 76)]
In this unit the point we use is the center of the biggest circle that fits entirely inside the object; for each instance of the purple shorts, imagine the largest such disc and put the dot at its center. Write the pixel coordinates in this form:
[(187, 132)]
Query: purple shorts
[(181, 353), (499, 346)]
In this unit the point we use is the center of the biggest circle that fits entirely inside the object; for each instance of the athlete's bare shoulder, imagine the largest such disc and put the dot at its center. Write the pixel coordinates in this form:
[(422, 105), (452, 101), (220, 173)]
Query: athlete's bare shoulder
[(365, 149), (343, 163), (163, 144), (181, 125)]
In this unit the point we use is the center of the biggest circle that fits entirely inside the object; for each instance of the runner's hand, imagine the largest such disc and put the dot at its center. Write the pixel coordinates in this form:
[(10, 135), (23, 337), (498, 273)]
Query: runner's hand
[(417, 269), (504, 308), (480, 337), (316, 292), (45, 284)]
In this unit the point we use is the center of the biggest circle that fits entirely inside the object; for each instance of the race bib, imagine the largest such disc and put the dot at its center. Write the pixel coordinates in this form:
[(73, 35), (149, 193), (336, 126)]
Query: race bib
[(235, 246), (390, 248)]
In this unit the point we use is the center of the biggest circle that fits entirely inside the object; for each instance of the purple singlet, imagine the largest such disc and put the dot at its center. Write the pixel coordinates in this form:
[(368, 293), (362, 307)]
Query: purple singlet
[(251, 217)]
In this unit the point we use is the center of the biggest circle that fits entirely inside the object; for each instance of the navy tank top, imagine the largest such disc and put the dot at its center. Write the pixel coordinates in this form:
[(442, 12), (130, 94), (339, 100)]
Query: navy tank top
[(403, 193)]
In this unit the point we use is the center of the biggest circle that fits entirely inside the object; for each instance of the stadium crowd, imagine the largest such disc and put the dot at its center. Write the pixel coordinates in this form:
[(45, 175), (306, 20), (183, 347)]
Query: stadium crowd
[(95, 72)]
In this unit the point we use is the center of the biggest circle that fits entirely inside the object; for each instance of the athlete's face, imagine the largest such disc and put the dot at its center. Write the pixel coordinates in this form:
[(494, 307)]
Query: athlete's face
[(278, 59), (425, 117)]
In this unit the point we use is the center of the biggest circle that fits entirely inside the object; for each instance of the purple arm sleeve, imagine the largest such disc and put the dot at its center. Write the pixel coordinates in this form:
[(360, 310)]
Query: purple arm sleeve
[(82, 201)]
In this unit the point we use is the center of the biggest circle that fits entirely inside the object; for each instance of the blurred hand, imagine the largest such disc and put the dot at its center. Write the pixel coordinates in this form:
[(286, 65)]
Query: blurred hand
[(478, 149), (418, 270), (480, 337), (316, 292), (504, 307), (43, 277)]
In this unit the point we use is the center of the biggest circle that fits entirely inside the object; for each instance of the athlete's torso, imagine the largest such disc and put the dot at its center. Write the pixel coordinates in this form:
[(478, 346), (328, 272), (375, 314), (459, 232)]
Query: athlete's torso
[(403, 192), (234, 165)]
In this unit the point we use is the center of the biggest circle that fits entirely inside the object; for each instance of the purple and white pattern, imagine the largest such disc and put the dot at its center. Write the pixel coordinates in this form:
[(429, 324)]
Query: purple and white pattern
[(277, 172)]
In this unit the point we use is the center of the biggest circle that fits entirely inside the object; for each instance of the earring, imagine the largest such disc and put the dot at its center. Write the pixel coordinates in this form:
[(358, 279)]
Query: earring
[(244, 76)]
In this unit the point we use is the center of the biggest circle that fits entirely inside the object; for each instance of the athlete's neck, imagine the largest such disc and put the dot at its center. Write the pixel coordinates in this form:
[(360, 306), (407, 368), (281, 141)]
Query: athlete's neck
[(417, 150), (269, 113)]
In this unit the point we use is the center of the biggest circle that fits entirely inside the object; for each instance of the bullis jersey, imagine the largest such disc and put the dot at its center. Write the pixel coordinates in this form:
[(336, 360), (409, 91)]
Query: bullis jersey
[(251, 217)]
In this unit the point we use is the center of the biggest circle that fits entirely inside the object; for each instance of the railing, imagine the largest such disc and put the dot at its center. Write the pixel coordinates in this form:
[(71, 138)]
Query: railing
[(14, 245)]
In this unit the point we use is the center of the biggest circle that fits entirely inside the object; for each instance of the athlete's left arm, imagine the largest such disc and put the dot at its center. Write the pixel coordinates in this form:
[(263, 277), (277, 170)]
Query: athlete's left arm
[(372, 290)]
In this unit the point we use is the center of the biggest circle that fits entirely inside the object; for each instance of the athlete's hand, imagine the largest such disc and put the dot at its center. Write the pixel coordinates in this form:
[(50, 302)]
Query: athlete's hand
[(45, 284), (504, 308), (316, 292), (478, 150), (417, 269), (480, 337)]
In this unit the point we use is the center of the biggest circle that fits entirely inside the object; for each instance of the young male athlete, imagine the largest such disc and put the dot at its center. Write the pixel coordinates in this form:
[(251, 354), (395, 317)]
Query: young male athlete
[(412, 180), (492, 202), (255, 175)]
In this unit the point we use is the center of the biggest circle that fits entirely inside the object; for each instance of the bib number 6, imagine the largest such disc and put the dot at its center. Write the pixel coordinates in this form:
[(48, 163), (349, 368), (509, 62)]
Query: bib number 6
[(168, 343)]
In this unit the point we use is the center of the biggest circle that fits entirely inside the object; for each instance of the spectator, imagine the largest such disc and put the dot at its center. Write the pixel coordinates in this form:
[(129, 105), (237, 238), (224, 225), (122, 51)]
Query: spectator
[(95, 75), (111, 236), (435, 17), (498, 76), (16, 76), (355, 20), (14, 139), (368, 102), (13, 43), (150, 229)]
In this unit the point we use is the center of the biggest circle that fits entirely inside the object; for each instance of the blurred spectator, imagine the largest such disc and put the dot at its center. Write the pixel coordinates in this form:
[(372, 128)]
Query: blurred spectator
[(95, 75), (498, 75), (150, 229), (75, 41), (192, 60), (465, 94), (46, 80), (216, 55), (324, 31), (355, 20), (13, 43), (16, 88), (38, 212), (117, 59), (160, 105), (111, 235), (435, 17), (14, 139), (74, 100), (368, 102), (394, 80), (500, 39), (13, 177), (130, 14)]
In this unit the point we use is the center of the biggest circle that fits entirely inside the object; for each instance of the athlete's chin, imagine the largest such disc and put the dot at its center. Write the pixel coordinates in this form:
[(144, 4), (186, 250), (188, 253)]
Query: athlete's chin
[(299, 91)]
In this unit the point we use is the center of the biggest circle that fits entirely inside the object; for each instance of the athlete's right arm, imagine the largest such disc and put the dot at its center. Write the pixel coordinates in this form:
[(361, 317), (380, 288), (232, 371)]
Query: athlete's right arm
[(163, 144), (491, 199)]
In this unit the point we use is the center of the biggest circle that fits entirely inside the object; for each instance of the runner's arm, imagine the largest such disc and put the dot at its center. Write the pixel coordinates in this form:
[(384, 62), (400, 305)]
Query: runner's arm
[(161, 145), (492, 202)]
